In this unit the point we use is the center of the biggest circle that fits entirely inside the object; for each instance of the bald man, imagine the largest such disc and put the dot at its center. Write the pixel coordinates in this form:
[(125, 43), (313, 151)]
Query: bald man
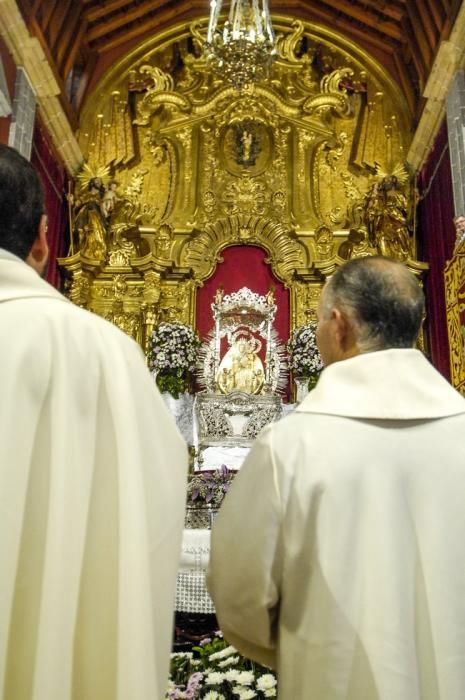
[(337, 556)]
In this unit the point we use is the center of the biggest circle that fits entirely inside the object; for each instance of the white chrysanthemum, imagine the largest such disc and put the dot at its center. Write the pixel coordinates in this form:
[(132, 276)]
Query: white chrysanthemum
[(244, 693), (270, 693), (212, 695), (182, 655), (229, 662), (214, 678), (223, 653), (232, 675), (266, 681), (246, 678)]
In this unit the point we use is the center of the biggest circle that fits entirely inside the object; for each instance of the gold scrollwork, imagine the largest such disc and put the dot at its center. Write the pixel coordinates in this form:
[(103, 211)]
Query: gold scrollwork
[(203, 250), (196, 166), (454, 280)]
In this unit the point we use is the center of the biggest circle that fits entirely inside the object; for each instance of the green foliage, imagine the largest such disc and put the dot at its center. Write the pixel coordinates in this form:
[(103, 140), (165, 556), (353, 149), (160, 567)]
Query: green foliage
[(175, 382)]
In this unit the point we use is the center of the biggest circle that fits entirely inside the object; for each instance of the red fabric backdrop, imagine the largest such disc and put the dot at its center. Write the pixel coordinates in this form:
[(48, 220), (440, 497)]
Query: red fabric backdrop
[(10, 75), (436, 244), (242, 266), (55, 183)]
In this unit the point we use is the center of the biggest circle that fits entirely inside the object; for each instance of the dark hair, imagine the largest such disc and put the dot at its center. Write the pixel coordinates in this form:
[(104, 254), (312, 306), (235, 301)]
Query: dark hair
[(21, 202), (383, 299)]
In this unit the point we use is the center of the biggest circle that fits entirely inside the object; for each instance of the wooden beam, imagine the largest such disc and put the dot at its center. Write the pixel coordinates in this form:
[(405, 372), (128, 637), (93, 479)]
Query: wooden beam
[(432, 35), (70, 57), (35, 7), (318, 12), (412, 50), (418, 33), (65, 38), (405, 81), (437, 13), (48, 8), (371, 19), (94, 13), (57, 22), (124, 19), (388, 9)]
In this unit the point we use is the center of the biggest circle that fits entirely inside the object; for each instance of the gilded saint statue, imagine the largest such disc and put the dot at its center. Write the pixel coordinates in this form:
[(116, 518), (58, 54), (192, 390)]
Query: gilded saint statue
[(246, 140), (241, 369), (386, 216), (89, 222)]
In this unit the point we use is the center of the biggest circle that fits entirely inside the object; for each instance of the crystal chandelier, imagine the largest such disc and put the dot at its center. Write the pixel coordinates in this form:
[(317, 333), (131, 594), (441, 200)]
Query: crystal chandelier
[(242, 48)]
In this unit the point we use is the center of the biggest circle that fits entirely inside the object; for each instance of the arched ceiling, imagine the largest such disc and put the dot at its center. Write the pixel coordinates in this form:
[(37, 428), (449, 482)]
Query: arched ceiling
[(82, 37)]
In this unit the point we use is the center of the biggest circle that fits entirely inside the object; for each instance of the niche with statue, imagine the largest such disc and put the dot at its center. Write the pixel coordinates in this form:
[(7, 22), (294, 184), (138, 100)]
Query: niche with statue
[(243, 371)]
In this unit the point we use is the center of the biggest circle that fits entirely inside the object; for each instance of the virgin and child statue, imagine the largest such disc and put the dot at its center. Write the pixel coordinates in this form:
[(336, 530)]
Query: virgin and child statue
[(241, 369)]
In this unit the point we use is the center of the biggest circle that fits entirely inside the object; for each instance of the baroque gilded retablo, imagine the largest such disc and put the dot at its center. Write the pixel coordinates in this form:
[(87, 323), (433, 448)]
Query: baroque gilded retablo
[(308, 164)]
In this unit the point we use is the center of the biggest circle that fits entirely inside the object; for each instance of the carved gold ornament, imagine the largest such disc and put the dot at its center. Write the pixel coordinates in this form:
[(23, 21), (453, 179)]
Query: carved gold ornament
[(186, 166)]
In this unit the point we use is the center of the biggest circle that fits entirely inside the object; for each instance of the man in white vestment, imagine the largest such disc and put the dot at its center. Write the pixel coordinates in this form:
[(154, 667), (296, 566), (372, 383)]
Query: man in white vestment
[(92, 485), (338, 556)]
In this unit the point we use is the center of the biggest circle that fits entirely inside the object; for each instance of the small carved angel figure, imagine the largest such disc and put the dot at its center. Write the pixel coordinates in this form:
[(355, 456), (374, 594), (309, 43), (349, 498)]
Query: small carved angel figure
[(110, 198), (219, 294), (270, 298), (356, 245)]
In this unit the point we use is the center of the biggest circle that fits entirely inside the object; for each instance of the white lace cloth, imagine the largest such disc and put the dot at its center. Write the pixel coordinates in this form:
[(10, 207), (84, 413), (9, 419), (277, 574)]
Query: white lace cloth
[(231, 457), (191, 590)]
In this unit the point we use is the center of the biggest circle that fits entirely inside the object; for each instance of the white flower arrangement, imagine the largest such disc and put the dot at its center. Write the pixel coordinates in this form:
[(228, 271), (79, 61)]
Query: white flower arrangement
[(211, 677), (304, 356), (173, 356)]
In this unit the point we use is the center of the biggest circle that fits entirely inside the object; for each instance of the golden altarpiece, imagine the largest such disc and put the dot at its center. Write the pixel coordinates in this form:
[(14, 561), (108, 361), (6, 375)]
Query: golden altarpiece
[(308, 165), (454, 283)]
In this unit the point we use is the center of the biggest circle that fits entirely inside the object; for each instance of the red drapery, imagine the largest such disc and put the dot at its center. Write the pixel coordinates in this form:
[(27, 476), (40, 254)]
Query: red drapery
[(10, 75), (243, 266), (436, 243), (55, 182)]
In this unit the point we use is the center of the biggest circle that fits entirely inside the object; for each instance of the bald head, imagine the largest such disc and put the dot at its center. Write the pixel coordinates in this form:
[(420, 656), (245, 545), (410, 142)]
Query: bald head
[(380, 300)]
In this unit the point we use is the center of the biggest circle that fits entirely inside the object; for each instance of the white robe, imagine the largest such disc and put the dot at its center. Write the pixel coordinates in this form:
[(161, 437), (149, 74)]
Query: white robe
[(92, 493), (338, 556)]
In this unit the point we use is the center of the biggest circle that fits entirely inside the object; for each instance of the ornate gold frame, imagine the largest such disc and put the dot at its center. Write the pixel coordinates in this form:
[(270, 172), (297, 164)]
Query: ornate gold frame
[(454, 282)]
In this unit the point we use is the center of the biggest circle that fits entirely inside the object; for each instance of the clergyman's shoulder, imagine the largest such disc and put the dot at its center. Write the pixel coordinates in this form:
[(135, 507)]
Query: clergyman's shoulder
[(88, 324)]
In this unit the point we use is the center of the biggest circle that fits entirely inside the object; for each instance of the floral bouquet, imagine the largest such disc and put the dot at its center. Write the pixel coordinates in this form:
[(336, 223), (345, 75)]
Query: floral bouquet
[(304, 356), (218, 672), (209, 487), (173, 356)]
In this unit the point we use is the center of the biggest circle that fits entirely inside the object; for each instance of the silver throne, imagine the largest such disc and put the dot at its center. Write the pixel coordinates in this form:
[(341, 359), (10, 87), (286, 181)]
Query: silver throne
[(242, 371)]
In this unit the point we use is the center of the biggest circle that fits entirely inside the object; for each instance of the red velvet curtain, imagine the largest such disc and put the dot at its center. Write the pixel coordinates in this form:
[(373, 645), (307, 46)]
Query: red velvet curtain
[(9, 68), (436, 243), (243, 266), (55, 181)]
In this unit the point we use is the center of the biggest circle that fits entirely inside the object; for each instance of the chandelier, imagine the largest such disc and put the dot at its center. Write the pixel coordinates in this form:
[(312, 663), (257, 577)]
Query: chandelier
[(242, 48)]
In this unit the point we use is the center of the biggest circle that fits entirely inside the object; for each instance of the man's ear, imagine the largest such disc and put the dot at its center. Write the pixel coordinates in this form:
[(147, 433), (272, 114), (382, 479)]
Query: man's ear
[(342, 329), (38, 255), (344, 333)]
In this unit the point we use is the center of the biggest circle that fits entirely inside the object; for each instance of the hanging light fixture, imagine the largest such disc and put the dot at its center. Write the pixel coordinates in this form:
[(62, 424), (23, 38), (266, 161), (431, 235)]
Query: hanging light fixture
[(242, 48)]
